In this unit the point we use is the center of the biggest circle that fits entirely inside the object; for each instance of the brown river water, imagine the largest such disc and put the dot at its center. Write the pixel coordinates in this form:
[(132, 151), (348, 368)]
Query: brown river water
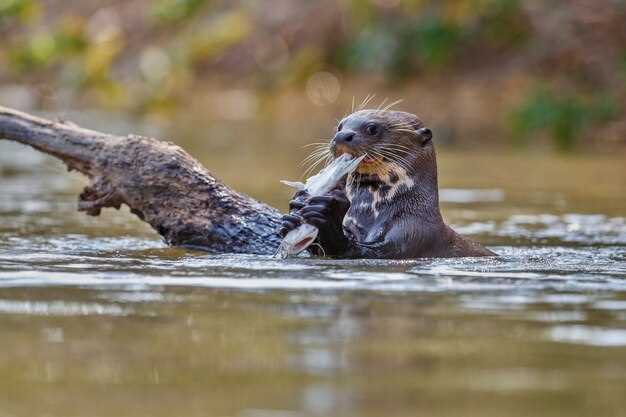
[(99, 318)]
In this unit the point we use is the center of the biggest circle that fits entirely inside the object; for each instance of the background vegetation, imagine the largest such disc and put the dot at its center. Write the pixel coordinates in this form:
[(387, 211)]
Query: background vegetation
[(483, 71)]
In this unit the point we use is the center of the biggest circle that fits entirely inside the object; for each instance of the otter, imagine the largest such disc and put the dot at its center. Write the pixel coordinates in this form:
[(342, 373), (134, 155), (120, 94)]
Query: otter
[(388, 208)]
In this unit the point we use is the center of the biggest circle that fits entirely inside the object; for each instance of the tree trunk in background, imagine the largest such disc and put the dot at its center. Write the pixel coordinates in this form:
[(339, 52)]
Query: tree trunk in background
[(160, 182)]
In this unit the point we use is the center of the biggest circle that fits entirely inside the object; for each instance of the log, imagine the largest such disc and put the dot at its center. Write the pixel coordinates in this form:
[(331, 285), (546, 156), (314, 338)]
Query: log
[(160, 183)]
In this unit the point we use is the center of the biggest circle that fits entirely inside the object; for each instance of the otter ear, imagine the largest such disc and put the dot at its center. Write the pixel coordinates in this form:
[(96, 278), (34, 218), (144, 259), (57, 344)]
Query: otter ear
[(425, 135)]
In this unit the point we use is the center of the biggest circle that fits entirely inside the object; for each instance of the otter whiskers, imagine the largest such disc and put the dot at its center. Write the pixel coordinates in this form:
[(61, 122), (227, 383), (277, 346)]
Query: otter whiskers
[(383, 108), (386, 161), (315, 155), (365, 102), (395, 153), (403, 128), (320, 155), (368, 98)]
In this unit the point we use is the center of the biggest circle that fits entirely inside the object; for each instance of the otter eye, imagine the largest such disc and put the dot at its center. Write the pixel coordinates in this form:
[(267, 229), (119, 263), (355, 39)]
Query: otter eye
[(371, 129)]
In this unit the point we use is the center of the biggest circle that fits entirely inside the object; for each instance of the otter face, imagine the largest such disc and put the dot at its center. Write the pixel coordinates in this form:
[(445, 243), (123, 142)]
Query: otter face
[(387, 138)]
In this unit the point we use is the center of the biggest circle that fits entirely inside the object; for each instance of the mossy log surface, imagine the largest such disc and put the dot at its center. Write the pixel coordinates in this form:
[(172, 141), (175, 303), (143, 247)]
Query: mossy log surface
[(161, 183)]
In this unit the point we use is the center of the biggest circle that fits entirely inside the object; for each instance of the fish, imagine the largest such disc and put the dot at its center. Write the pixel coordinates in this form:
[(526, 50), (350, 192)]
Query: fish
[(321, 183)]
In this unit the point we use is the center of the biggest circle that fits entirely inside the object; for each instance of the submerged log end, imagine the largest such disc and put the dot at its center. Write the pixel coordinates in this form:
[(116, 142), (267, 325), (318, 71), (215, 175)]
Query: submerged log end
[(97, 196)]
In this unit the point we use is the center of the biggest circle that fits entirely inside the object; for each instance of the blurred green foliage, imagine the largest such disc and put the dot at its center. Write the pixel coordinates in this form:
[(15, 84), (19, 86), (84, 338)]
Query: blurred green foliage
[(224, 31), (401, 51), (173, 11), (44, 49), (564, 116), (147, 55), (431, 37), (20, 9)]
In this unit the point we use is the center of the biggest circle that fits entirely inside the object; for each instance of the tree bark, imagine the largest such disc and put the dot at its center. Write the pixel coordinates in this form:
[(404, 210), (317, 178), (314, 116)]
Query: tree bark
[(160, 182)]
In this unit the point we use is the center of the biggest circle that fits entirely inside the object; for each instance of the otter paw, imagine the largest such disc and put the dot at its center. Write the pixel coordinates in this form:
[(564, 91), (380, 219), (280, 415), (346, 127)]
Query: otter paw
[(298, 201), (334, 204), (289, 222), (296, 205), (316, 215)]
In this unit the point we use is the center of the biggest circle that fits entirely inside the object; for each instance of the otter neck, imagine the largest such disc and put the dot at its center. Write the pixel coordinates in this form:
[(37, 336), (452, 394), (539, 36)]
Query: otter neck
[(414, 190)]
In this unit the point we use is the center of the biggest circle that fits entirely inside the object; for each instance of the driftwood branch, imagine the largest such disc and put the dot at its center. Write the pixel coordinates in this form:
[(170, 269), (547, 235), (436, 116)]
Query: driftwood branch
[(160, 182)]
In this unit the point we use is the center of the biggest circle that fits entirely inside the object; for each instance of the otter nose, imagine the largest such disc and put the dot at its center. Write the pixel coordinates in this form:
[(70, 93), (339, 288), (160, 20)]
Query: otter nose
[(345, 136)]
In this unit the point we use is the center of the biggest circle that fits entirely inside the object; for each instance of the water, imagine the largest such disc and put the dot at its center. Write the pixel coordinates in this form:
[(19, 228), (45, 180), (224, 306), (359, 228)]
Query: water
[(99, 318)]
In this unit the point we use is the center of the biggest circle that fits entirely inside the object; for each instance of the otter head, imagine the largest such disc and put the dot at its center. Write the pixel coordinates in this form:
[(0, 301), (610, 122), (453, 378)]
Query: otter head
[(394, 142)]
